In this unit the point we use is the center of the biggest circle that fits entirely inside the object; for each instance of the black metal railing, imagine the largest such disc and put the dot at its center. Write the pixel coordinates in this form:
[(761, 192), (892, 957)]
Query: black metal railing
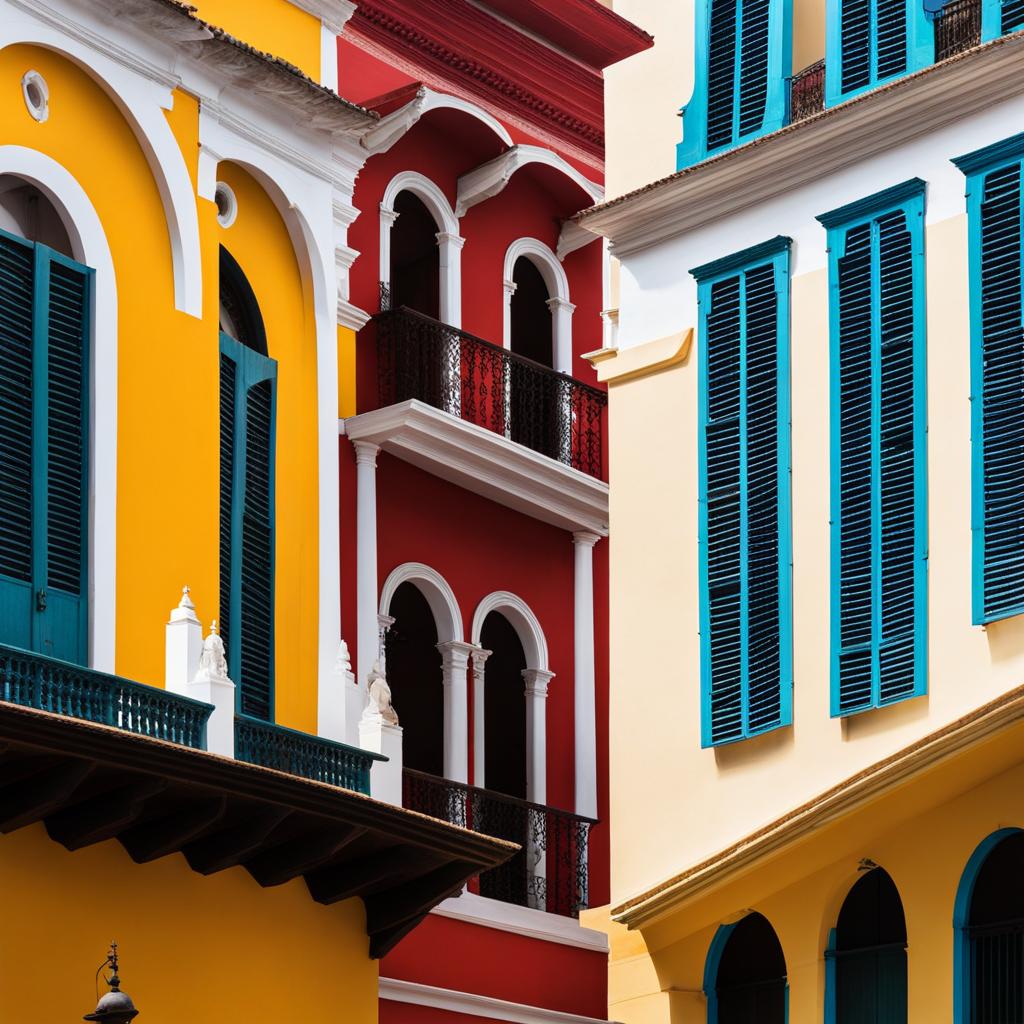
[(807, 91), (298, 753), (957, 28), (550, 870), (549, 412), (61, 688)]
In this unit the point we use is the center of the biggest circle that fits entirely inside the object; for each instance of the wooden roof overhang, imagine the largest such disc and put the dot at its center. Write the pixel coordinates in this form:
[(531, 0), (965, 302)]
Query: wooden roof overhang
[(89, 783)]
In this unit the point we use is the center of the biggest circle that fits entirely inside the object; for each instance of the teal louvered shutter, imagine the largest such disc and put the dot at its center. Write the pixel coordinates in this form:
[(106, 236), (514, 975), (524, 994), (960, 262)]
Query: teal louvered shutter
[(45, 306), (874, 41), (744, 499), (248, 410), (1012, 15), (878, 437)]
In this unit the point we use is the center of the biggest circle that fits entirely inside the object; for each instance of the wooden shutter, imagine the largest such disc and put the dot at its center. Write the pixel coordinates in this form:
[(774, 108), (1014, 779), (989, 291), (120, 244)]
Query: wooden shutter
[(1012, 15), (248, 385), (1002, 392), (855, 43), (744, 460), (753, 78), (45, 302), (874, 42), (722, 54), (878, 461), (891, 38)]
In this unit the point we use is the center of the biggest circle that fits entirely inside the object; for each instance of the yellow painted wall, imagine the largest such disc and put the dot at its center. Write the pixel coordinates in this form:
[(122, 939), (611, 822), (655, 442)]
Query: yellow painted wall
[(275, 26), (203, 949), (346, 372)]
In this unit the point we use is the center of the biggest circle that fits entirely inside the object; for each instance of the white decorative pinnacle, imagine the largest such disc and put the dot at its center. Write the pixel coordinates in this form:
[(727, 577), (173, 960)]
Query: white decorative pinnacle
[(343, 664), (213, 664), (186, 610)]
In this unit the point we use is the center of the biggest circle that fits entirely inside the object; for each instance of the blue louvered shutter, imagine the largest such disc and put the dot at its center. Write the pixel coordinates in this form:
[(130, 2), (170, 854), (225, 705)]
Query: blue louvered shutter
[(1002, 392), (45, 304), (1012, 15), (744, 504), (248, 405), (873, 42), (879, 464), (737, 70)]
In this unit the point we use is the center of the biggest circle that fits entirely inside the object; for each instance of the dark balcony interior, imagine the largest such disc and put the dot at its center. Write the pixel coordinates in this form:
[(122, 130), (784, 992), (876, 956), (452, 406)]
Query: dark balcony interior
[(957, 28)]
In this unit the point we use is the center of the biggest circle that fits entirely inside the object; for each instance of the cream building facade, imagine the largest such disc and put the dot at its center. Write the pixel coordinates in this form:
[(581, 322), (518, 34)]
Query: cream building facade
[(816, 649)]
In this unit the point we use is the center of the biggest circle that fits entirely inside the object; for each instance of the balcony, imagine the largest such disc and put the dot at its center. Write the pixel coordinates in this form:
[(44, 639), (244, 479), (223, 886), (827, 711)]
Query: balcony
[(807, 91), (484, 384), (957, 28), (548, 873)]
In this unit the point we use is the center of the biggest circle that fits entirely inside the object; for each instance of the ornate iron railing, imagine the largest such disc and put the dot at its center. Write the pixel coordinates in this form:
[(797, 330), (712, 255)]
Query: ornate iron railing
[(807, 91), (552, 413), (957, 28), (47, 684), (550, 870), (299, 753)]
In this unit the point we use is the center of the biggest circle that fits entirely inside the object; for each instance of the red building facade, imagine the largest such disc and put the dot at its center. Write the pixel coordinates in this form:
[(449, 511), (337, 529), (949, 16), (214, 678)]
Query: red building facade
[(473, 494)]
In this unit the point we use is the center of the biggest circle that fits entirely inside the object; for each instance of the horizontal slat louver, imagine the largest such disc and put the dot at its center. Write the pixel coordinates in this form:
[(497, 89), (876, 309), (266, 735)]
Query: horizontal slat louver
[(753, 65), (16, 291), (67, 482), (891, 38), (257, 555), (1002, 343), (722, 54), (856, 43), (228, 372), (1012, 15)]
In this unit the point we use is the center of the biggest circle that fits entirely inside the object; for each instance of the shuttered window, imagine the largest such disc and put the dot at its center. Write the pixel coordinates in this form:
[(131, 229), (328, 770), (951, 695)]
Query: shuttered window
[(247, 413), (746, 675), (1012, 15), (879, 524), (45, 307), (995, 197)]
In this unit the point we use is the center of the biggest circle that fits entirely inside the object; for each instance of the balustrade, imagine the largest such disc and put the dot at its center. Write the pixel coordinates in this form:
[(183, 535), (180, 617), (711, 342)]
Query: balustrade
[(957, 27), (807, 91)]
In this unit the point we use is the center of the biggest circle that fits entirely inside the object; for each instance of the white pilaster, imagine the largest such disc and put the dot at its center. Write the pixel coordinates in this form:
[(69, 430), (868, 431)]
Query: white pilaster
[(366, 557), (211, 684), (385, 776), (455, 663), (584, 688), (537, 680), (387, 221), (450, 247), (509, 289), (384, 623), (333, 703), (479, 658), (561, 331), (183, 645)]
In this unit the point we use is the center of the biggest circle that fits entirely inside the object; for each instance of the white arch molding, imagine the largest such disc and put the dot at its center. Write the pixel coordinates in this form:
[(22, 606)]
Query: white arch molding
[(553, 273), (455, 655), (449, 241), (89, 246), (536, 677)]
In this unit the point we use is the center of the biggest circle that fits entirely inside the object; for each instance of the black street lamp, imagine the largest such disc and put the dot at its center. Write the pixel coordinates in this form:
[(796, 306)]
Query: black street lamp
[(116, 1007)]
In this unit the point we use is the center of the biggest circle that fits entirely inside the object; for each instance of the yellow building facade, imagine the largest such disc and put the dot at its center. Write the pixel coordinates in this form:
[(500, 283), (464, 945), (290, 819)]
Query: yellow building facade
[(786, 801)]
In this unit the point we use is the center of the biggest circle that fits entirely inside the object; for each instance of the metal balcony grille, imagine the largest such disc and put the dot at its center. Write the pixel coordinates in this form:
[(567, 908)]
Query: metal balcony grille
[(548, 873), (61, 688), (299, 753), (807, 91), (997, 973), (957, 28), (485, 384)]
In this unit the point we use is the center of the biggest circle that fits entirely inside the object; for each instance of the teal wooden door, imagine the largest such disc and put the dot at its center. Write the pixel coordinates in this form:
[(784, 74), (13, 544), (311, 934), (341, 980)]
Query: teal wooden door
[(45, 307), (248, 397), (871, 986)]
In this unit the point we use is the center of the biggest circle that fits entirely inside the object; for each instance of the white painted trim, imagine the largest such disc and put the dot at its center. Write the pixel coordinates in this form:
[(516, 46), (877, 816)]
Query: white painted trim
[(487, 464), (435, 588), (334, 13), (386, 132), (525, 921), (551, 269), (584, 680), (89, 246), (490, 179), (472, 1005), (571, 238), (328, 57), (522, 619), (367, 624)]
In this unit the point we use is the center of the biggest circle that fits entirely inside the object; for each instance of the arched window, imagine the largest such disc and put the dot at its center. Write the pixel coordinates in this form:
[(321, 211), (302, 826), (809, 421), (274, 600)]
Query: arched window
[(745, 978), (989, 921), (45, 335), (504, 707), (415, 676), (867, 956), (248, 400), (415, 258), (531, 333)]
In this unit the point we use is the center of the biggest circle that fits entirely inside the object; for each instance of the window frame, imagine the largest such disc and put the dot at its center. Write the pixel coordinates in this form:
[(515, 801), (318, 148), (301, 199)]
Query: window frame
[(775, 252)]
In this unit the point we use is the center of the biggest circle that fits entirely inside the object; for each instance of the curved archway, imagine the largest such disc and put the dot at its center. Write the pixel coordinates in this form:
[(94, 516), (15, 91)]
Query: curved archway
[(866, 958), (745, 974), (435, 589), (988, 932), (89, 246), (523, 620), (552, 273)]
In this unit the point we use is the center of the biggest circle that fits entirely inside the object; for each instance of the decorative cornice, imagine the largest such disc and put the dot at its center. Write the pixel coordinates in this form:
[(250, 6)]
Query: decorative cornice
[(745, 258), (571, 238), (333, 13), (874, 204), (352, 317), (813, 148), (616, 366), (983, 159)]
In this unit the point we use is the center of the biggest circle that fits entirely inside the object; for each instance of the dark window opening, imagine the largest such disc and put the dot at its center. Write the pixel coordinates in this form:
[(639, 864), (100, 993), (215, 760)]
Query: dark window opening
[(751, 980), (531, 334), (240, 316), (415, 258), (504, 708)]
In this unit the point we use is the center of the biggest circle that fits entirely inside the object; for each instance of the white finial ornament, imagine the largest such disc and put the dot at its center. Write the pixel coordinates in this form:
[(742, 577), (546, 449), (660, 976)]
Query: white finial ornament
[(378, 697), (212, 663)]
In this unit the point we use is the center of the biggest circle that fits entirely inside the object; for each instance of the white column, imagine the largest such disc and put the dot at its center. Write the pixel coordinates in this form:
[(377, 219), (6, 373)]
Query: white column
[(479, 658), (387, 220), (384, 623), (583, 658), (537, 680), (506, 332), (561, 333), (455, 664), (212, 685), (334, 709), (385, 776), (183, 645), (366, 558), (451, 277)]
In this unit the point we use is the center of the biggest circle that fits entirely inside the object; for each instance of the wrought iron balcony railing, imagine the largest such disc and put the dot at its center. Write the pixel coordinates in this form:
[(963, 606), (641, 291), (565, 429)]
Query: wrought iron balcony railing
[(807, 91), (957, 28), (299, 753), (552, 413), (46, 684), (548, 873)]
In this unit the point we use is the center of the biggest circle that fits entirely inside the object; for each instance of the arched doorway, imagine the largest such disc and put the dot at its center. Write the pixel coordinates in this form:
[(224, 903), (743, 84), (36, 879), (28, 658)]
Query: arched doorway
[(867, 972), (504, 707), (531, 332), (989, 917), (415, 257), (46, 332), (745, 979), (414, 673)]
